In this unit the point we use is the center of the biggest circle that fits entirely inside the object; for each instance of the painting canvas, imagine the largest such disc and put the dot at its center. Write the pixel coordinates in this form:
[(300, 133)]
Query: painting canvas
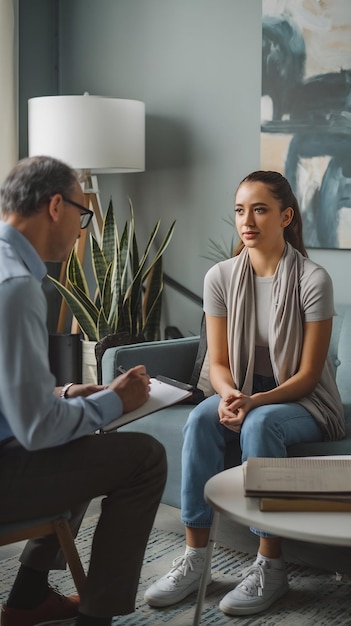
[(306, 111)]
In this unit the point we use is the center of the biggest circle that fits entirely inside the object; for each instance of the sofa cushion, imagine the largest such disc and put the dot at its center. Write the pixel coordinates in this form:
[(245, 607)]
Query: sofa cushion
[(200, 377)]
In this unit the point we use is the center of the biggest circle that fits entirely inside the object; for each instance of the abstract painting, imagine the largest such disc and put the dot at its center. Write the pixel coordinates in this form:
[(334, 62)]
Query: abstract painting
[(306, 111)]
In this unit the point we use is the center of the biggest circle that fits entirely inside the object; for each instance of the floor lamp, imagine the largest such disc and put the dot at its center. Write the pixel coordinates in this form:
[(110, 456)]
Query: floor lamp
[(92, 134)]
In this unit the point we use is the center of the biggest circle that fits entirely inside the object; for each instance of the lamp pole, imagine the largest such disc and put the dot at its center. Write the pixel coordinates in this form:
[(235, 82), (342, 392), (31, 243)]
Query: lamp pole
[(92, 134)]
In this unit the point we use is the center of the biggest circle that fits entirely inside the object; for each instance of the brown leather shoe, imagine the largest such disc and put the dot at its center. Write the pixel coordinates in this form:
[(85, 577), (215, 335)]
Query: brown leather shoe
[(55, 608)]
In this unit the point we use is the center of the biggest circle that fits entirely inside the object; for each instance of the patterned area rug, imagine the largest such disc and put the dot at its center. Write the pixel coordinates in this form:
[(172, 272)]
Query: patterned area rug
[(315, 596)]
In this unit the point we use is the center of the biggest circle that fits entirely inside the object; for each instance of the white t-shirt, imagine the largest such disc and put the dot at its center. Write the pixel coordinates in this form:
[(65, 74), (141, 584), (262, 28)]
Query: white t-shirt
[(315, 286), (312, 291), (316, 302)]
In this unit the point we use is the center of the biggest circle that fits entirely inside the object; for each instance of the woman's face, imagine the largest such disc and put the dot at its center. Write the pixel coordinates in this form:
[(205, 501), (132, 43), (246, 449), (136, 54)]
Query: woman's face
[(259, 220)]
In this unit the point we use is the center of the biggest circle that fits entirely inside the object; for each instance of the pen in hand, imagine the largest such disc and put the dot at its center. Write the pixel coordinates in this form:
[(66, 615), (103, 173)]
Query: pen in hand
[(121, 370)]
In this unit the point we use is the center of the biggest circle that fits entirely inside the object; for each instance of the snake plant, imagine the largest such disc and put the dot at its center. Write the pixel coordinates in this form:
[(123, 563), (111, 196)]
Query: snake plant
[(127, 295)]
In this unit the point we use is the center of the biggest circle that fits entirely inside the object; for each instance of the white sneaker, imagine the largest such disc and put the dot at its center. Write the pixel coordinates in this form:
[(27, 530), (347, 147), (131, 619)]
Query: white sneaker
[(180, 582), (266, 581)]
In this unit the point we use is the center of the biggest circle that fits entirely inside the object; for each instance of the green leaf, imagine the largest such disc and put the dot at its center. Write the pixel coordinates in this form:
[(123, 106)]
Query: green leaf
[(118, 302), (75, 273), (85, 321), (99, 263), (123, 260), (161, 249), (152, 303), (85, 302), (109, 234), (103, 328), (106, 295)]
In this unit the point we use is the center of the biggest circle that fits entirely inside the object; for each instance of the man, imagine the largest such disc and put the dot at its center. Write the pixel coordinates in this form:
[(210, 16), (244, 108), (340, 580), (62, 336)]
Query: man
[(50, 458)]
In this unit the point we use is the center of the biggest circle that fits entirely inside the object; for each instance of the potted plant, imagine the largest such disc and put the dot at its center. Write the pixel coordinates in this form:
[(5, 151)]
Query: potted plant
[(223, 250), (127, 295)]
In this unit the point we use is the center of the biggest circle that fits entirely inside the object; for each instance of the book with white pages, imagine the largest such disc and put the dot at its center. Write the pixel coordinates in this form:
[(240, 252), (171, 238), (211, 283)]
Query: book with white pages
[(326, 477), (162, 395)]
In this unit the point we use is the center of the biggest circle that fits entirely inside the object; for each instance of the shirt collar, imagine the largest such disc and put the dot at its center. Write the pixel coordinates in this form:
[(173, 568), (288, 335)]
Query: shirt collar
[(24, 249)]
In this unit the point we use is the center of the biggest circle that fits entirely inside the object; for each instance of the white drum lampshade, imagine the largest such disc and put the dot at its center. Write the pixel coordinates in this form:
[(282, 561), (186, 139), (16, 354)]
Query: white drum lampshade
[(94, 133)]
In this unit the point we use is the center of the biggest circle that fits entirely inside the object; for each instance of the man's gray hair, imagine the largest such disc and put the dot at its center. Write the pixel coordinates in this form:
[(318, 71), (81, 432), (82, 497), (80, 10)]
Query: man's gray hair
[(32, 182)]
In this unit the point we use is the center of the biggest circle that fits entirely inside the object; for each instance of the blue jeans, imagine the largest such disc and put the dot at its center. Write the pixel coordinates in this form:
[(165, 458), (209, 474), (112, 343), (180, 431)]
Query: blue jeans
[(266, 432)]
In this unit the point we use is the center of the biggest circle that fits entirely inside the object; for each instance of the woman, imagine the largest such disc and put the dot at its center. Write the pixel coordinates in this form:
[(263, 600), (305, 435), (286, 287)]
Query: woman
[(269, 319)]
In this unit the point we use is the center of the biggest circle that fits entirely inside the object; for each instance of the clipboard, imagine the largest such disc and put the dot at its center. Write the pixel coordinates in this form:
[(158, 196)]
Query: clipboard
[(162, 394)]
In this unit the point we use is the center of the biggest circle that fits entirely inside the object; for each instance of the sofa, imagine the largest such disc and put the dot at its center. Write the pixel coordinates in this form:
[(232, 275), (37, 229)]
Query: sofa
[(176, 358)]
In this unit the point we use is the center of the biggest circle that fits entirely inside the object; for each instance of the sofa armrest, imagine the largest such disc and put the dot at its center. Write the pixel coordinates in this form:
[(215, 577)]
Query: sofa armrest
[(174, 358)]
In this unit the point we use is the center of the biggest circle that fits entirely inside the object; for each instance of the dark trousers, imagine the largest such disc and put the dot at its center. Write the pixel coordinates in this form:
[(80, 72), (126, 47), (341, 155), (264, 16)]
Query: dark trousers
[(129, 469)]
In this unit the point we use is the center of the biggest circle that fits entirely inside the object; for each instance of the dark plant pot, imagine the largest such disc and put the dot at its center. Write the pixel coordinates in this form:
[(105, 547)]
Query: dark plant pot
[(65, 357), (110, 341)]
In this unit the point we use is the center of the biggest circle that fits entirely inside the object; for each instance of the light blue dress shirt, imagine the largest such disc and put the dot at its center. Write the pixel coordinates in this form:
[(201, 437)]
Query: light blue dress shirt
[(29, 410)]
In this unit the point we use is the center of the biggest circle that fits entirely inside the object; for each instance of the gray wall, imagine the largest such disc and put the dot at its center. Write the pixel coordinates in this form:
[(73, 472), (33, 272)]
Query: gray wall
[(197, 66), (38, 55)]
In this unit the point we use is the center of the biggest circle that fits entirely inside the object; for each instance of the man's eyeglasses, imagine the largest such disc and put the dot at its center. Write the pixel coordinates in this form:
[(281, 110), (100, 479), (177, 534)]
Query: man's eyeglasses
[(85, 216)]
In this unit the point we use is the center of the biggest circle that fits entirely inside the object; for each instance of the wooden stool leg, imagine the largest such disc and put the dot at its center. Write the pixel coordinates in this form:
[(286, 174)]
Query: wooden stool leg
[(70, 552)]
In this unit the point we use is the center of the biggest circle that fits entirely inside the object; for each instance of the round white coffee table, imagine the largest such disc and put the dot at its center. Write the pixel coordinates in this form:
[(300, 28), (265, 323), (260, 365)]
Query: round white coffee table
[(225, 494)]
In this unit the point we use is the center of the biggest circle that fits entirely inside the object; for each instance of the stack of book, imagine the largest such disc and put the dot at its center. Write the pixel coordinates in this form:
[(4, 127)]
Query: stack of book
[(300, 483)]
